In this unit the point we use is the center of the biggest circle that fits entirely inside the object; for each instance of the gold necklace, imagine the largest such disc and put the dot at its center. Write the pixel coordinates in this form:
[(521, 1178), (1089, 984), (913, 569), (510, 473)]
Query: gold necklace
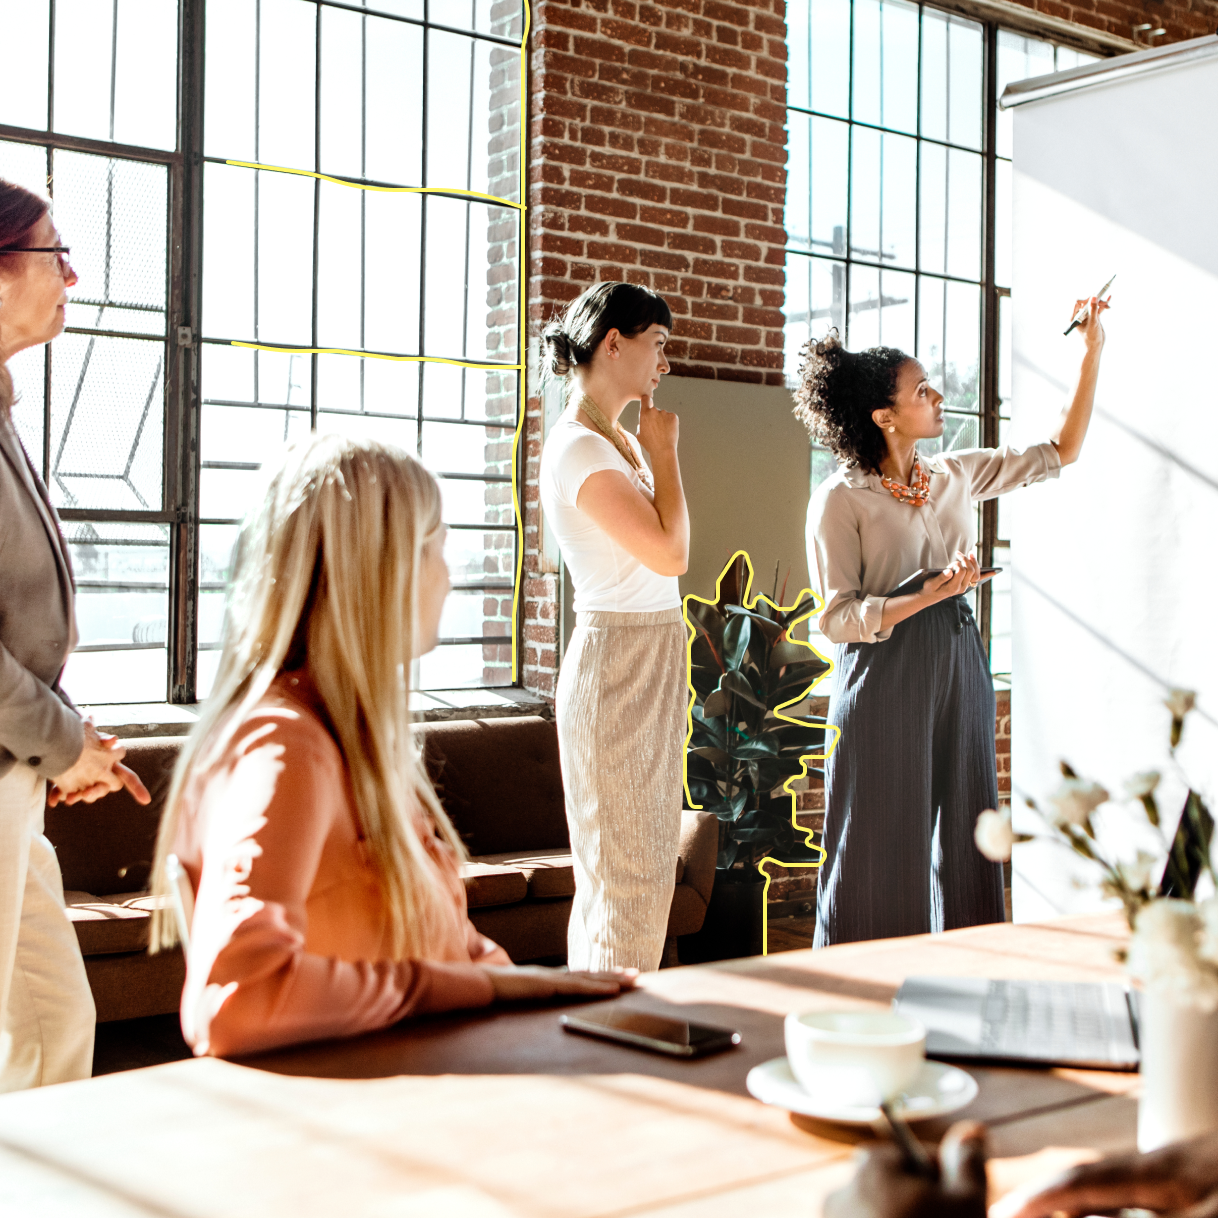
[(612, 432)]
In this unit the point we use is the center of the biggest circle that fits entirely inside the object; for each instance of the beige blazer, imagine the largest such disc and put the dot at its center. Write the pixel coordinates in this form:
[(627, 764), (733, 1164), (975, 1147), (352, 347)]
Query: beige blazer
[(863, 542), (38, 723)]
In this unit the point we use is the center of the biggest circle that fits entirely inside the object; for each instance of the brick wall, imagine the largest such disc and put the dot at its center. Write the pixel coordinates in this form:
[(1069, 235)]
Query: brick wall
[(657, 156), (1180, 18)]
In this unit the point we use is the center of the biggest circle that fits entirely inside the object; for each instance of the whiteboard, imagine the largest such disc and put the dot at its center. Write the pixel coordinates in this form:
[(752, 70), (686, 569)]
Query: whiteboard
[(1115, 565)]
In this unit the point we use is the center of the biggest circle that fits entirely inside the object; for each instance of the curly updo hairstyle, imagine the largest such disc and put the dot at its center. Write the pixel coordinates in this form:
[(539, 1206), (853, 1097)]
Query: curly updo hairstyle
[(839, 389), (569, 341)]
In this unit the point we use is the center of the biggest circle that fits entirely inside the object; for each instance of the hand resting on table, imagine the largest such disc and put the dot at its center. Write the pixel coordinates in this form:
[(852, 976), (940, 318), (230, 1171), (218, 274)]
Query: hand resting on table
[(531, 982)]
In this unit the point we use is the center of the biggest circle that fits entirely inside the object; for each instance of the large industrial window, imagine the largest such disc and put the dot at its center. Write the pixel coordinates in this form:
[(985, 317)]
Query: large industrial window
[(285, 214), (898, 215)]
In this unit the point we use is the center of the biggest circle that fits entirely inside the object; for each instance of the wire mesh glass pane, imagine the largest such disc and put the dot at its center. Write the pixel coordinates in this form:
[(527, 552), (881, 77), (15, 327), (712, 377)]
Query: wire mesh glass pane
[(458, 260), (815, 303), (883, 201), (116, 70), (23, 82), (886, 64), (818, 50), (236, 443), (952, 97), (951, 217), (371, 97), (1018, 58), (24, 164), (949, 340), (114, 215), (122, 612), (882, 305), (28, 370), (483, 16), (107, 423), (818, 178)]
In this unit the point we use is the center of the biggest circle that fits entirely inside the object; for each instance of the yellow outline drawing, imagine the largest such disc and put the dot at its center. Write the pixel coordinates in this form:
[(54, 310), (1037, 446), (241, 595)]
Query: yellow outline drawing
[(818, 605), (483, 365), (388, 190)]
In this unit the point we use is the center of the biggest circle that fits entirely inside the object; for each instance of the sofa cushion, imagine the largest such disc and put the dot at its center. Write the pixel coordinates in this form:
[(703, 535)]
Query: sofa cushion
[(106, 847), (118, 923), (488, 884), (548, 873), (500, 782)]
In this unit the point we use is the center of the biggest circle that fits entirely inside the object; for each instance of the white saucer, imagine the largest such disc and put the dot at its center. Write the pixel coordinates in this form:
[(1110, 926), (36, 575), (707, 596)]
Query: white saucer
[(938, 1090)]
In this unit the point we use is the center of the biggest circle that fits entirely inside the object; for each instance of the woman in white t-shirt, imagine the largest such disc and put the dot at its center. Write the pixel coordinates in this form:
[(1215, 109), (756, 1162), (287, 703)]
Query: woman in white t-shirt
[(624, 534)]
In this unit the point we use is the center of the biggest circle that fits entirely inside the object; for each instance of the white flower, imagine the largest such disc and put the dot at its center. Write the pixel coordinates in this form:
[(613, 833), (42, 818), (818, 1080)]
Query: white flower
[(1164, 954), (1137, 875), (1141, 785), (1076, 799), (994, 835), (1180, 702)]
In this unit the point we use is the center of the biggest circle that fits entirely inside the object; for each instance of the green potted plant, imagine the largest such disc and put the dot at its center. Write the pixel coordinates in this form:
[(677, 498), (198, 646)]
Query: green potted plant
[(746, 669)]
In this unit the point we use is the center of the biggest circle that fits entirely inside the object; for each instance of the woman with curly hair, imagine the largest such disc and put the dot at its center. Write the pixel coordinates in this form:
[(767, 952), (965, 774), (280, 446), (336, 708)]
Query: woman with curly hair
[(911, 692)]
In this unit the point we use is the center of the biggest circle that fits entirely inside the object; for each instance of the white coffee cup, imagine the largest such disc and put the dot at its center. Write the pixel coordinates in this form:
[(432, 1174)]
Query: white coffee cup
[(857, 1057)]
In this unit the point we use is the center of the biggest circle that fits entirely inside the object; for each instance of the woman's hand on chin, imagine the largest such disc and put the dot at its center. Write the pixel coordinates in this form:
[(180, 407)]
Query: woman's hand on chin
[(531, 981), (658, 429)]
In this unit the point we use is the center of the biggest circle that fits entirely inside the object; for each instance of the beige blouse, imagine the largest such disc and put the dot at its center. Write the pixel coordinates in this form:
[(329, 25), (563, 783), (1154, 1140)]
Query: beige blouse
[(863, 542)]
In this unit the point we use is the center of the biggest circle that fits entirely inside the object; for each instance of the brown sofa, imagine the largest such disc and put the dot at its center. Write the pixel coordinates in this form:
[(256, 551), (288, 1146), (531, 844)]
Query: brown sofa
[(498, 779)]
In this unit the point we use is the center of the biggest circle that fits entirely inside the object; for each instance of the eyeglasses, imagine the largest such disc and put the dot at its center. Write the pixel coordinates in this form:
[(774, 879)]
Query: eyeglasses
[(62, 250)]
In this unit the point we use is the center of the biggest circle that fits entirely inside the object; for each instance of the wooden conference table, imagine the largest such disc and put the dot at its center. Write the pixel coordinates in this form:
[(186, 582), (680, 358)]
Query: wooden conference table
[(502, 1114)]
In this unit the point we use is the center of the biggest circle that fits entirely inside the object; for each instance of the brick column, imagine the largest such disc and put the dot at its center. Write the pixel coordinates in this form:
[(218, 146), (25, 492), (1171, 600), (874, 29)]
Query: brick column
[(657, 156)]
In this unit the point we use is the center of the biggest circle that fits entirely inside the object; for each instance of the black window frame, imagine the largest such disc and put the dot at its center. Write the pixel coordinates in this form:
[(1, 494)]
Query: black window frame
[(183, 339)]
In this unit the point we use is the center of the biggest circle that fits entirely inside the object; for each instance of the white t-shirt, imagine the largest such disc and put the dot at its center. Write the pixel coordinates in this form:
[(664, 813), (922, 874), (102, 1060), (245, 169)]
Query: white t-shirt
[(606, 577)]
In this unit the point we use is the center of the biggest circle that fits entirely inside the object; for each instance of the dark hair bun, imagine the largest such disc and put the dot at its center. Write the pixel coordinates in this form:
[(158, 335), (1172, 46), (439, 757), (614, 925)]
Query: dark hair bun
[(572, 339), (559, 356)]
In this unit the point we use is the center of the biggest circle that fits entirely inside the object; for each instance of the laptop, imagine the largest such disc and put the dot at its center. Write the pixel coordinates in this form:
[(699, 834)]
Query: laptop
[(1057, 1023)]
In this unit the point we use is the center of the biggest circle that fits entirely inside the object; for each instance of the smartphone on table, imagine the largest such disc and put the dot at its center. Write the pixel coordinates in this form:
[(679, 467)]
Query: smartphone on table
[(657, 1033)]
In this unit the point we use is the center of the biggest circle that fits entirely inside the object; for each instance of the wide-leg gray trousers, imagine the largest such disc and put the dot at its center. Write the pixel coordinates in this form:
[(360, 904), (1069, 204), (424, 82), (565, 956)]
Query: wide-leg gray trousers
[(913, 769)]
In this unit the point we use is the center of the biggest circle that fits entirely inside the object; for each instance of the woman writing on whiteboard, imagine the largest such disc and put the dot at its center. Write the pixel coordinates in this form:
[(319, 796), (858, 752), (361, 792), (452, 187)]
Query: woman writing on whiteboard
[(624, 534), (911, 692)]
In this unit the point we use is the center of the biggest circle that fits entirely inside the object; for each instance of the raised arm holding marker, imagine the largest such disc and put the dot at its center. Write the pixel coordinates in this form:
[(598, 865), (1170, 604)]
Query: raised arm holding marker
[(1081, 315)]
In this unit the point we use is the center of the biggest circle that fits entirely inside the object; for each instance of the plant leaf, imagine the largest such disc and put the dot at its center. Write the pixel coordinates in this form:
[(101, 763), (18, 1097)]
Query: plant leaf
[(717, 702), (735, 683), (736, 637)]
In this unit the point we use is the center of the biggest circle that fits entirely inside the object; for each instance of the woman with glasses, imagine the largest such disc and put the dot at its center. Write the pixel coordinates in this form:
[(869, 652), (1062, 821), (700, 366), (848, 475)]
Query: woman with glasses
[(46, 1010)]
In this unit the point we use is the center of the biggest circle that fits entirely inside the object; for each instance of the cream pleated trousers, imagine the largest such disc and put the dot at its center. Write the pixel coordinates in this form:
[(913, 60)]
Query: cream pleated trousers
[(46, 1008), (620, 706)]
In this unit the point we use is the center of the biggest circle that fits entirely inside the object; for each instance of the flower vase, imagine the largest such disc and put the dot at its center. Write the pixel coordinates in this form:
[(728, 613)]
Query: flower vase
[(1179, 1047)]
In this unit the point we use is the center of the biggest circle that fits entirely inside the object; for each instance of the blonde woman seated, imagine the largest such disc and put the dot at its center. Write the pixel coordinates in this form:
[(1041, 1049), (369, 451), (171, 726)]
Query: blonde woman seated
[(328, 897)]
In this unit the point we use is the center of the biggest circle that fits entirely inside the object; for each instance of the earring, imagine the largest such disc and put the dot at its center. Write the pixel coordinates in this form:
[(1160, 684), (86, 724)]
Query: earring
[(892, 429)]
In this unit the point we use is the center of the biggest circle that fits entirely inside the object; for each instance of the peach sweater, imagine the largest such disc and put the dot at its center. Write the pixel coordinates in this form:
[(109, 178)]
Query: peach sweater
[(289, 941)]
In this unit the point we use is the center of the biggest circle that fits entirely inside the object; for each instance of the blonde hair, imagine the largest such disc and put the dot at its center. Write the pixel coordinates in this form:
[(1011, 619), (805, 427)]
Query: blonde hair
[(328, 567)]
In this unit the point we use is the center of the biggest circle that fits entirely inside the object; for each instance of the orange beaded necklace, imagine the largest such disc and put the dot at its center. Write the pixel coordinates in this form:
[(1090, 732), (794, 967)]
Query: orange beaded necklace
[(918, 490)]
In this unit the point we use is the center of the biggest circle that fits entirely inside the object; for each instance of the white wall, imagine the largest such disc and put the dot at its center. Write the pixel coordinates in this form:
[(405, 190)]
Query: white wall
[(1115, 576)]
